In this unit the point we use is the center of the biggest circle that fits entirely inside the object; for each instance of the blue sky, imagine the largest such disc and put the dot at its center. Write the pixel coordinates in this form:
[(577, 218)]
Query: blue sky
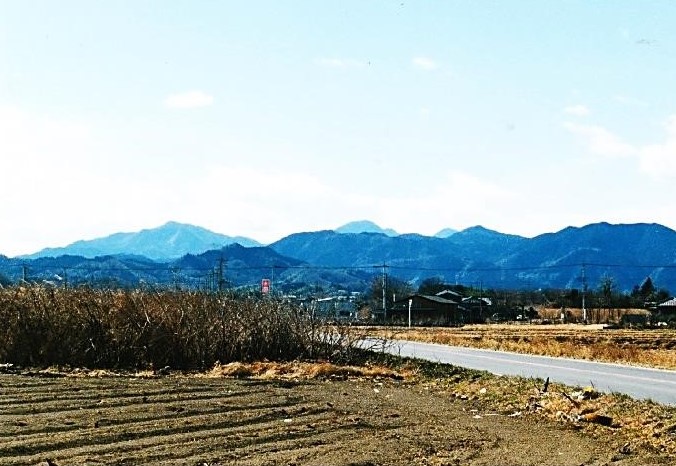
[(267, 118)]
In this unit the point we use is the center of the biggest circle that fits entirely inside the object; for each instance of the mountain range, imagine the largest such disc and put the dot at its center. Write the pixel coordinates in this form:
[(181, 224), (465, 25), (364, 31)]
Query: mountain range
[(169, 241), (351, 256)]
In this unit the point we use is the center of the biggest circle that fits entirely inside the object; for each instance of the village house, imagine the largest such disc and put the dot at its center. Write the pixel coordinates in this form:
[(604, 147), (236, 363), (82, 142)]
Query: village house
[(666, 311), (480, 308), (430, 310)]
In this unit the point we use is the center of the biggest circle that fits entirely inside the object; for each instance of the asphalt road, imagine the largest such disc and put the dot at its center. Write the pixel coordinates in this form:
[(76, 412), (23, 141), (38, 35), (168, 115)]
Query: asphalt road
[(638, 382)]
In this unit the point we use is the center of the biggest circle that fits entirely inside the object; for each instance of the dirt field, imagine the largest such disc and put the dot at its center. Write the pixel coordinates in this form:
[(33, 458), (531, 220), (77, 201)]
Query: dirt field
[(358, 421)]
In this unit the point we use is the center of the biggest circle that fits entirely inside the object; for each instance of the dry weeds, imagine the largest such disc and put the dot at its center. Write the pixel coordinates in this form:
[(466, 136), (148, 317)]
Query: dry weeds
[(653, 348), (141, 329), (633, 424), (304, 370)]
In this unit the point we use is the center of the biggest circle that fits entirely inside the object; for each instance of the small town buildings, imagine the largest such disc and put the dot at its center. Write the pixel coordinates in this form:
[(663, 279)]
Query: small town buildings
[(666, 311), (335, 307), (479, 307), (450, 294), (429, 310)]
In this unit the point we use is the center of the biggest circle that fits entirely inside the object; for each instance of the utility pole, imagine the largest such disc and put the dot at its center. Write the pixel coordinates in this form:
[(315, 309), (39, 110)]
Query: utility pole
[(481, 300), (584, 292), (221, 281), (384, 292), (175, 278)]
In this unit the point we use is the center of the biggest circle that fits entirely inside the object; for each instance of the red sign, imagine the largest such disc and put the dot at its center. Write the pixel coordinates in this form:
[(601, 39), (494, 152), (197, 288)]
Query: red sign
[(265, 285)]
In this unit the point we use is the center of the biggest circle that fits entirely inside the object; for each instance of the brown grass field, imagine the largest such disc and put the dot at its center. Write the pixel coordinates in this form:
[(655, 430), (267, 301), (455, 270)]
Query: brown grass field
[(654, 348)]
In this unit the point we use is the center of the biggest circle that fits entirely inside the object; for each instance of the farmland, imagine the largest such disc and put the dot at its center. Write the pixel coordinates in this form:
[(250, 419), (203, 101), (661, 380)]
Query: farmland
[(138, 377), (80, 417)]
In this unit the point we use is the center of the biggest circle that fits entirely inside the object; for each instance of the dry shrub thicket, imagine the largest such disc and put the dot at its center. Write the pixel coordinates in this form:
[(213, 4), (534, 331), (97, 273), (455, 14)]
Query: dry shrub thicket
[(44, 326)]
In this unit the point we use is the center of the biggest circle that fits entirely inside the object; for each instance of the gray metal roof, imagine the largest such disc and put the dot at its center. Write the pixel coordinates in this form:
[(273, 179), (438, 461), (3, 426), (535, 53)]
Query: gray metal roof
[(670, 303), (436, 299)]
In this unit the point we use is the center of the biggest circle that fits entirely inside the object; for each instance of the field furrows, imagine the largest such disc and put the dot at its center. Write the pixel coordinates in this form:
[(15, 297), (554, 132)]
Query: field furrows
[(120, 421), (192, 420)]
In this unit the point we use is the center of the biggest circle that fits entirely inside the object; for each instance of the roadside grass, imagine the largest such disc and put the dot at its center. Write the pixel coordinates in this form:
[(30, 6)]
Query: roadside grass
[(631, 424), (653, 348)]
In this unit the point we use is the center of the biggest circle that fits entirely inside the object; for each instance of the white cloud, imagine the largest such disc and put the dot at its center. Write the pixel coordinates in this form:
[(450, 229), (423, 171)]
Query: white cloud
[(24, 136), (659, 160), (45, 184), (577, 110), (601, 141), (425, 63), (268, 203), (457, 199), (189, 99)]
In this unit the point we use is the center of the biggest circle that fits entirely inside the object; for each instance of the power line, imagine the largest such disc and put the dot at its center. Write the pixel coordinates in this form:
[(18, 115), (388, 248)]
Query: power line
[(170, 268)]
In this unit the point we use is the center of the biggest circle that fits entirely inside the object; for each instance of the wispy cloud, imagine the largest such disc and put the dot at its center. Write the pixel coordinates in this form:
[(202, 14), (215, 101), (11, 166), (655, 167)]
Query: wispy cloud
[(189, 99), (601, 141), (489, 201), (425, 63), (577, 110), (29, 138), (657, 160)]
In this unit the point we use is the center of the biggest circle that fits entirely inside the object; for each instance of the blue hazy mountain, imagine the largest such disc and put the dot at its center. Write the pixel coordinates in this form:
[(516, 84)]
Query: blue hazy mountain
[(475, 244), (169, 241), (626, 252), (445, 233), (232, 266), (476, 256), (365, 226)]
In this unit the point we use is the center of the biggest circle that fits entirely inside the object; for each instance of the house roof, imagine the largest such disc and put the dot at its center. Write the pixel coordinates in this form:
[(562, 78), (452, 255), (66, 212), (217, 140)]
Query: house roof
[(477, 300), (436, 299), (449, 293), (669, 303)]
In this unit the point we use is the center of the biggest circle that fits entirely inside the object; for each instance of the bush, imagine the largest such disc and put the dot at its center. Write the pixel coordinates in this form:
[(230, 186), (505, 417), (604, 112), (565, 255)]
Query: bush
[(139, 329)]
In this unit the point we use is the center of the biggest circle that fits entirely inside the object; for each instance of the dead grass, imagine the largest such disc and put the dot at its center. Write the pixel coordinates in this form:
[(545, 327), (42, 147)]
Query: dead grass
[(304, 370), (632, 423), (653, 348)]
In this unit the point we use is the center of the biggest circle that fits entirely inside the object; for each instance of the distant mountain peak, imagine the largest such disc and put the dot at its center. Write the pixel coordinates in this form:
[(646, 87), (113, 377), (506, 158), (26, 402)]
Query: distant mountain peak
[(482, 231), (168, 241), (479, 228), (365, 226), (445, 233)]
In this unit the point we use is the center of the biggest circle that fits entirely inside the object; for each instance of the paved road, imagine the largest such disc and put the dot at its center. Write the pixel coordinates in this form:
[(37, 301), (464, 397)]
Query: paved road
[(637, 382)]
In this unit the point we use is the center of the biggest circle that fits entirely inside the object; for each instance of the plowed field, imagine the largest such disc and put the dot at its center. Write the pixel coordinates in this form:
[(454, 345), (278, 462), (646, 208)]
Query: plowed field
[(196, 420)]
